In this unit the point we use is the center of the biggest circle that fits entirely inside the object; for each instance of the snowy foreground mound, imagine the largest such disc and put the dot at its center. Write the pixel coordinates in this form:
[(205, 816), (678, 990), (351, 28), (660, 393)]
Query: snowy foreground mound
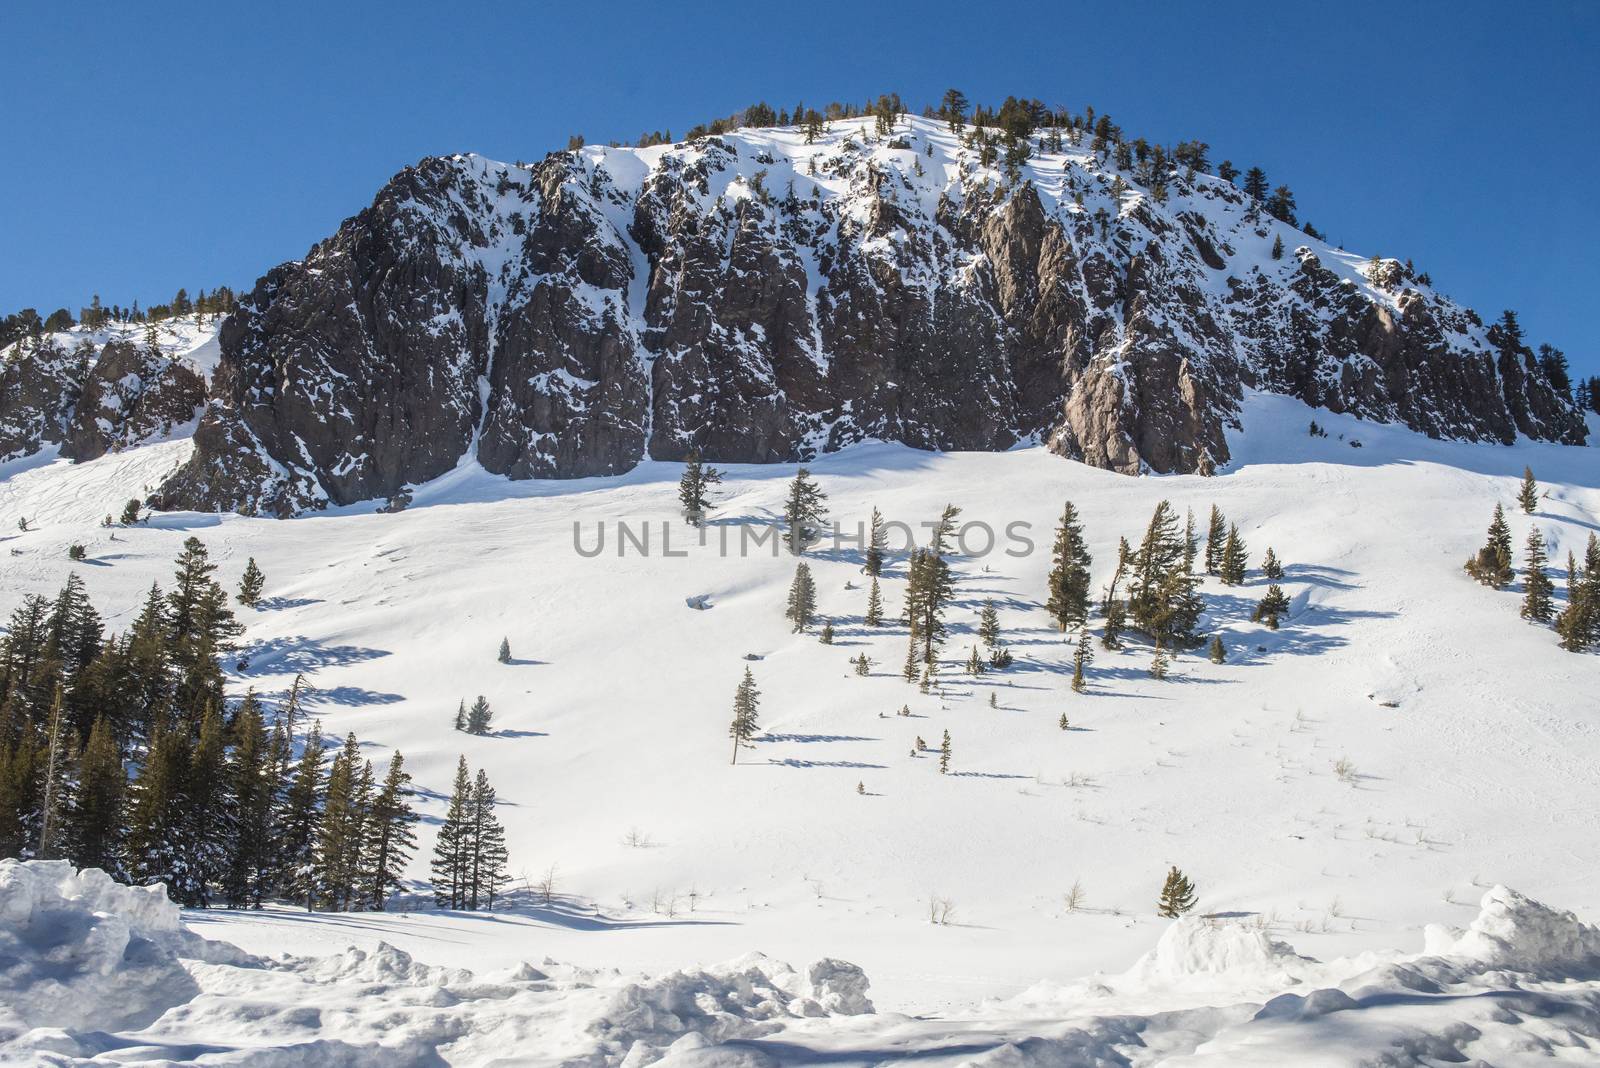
[(90, 970)]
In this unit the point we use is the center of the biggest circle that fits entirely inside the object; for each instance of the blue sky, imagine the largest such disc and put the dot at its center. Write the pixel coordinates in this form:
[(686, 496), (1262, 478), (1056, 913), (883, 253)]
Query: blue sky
[(153, 146)]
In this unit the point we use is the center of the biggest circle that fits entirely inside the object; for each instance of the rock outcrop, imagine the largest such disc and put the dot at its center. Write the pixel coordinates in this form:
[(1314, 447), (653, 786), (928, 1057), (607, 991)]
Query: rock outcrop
[(93, 393), (760, 299)]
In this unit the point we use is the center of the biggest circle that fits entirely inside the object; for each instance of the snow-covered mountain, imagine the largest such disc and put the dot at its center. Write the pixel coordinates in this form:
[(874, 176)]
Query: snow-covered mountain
[(761, 298)]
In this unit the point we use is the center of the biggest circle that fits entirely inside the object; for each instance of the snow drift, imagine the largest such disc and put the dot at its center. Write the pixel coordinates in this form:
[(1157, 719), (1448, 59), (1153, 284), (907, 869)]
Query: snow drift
[(93, 970)]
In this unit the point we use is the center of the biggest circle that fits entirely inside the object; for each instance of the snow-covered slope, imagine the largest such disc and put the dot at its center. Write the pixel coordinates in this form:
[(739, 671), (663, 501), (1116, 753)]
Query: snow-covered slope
[(1472, 737), (762, 298)]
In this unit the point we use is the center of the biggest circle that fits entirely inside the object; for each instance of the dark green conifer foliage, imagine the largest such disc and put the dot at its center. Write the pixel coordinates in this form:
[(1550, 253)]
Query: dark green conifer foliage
[(1216, 536), (928, 591), (297, 822), (390, 837), (1068, 600), (1579, 622), (803, 512), (452, 850), (945, 529), (1271, 566), (487, 873), (944, 755), (1528, 495), (1538, 604), (1177, 895), (1082, 657), (95, 823), (252, 773), (1272, 607), (877, 541), (1162, 600), (1235, 558), (1492, 564), (694, 488), (746, 714), (1217, 652), (802, 603), (989, 624), (251, 584), (340, 832), (874, 616), (479, 716)]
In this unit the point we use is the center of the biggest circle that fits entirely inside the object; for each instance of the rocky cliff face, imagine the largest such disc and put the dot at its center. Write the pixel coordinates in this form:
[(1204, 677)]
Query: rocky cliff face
[(762, 299), (93, 392)]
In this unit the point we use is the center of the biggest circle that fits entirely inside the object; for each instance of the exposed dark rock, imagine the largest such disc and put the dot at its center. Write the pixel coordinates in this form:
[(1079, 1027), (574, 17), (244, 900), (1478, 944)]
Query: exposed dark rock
[(762, 301)]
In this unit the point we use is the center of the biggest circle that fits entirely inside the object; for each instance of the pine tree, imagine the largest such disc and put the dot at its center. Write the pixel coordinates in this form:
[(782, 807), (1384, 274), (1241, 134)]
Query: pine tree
[(1537, 600), (504, 655), (1177, 895), (1492, 565), (944, 529), (1528, 495), (250, 585), (989, 624), (928, 591), (130, 512), (1235, 558), (337, 857), (802, 603), (479, 716), (1271, 607), (1116, 614), (1160, 662), (877, 540), (1270, 566), (863, 664), (253, 784), (826, 637), (297, 821), (1217, 652), (1161, 597), (1277, 246), (207, 829), (874, 616), (1082, 657), (910, 671), (1068, 602), (803, 512), (487, 857), (156, 811), (974, 664), (390, 838), (452, 849), (944, 754), (746, 706), (694, 488), (461, 715), (95, 822), (1579, 622)]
